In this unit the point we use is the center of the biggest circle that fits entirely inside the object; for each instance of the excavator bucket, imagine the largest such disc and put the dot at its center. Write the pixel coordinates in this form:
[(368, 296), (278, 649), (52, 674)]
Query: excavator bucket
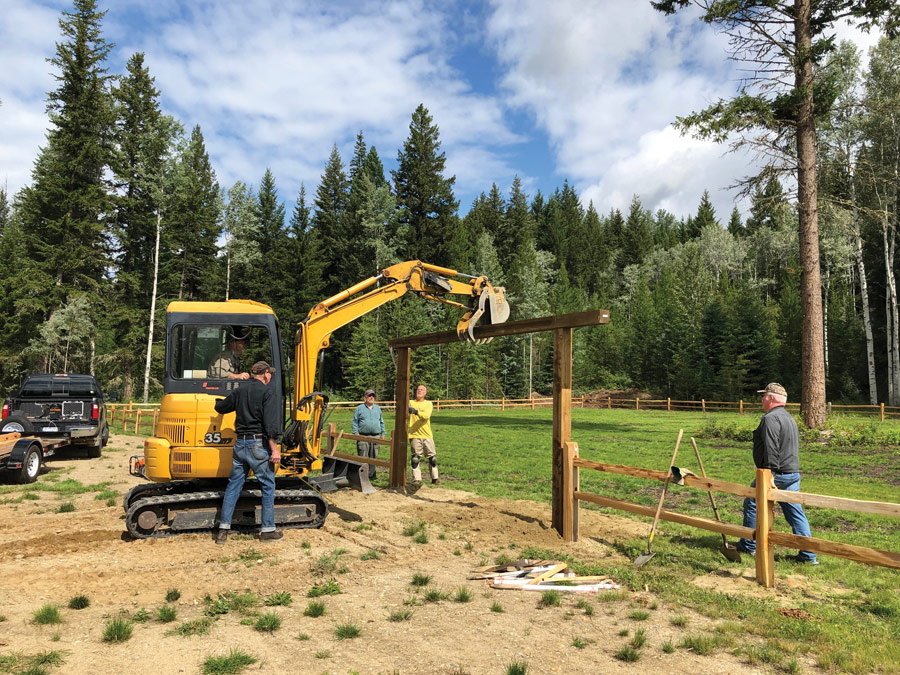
[(491, 307), (346, 473)]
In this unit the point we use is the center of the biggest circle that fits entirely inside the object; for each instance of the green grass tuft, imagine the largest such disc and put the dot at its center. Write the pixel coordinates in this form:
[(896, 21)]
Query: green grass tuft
[(47, 615), (282, 599), (268, 623), (517, 668), (639, 639), (668, 647), (371, 554), (231, 664), (628, 654), (435, 595), (79, 602), (199, 626), (347, 631), (497, 607), (330, 587), (65, 507), (550, 599), (117, 630), (413, 528), (639, 614), (400, 615), (420, 579), (166, 614), (314, 609), (463, 594), (421, 538), (173, 595)]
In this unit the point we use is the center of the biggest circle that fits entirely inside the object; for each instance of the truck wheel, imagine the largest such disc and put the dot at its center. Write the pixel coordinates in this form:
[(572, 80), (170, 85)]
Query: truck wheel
[(17, 422), (95, 451), (31, 466), (104, 439)]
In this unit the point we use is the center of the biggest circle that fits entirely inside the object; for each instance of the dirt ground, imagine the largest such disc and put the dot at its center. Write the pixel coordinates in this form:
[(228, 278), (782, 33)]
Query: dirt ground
[(49, 557)]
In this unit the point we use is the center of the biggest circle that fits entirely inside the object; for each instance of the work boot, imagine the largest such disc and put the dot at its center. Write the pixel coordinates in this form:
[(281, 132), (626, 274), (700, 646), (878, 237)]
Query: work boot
[(220, 536), (271, 536), (435, 481), (417, 483)]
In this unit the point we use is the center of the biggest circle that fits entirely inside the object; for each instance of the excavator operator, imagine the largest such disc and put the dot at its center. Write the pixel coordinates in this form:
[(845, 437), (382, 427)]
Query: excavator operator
[(227, 363)]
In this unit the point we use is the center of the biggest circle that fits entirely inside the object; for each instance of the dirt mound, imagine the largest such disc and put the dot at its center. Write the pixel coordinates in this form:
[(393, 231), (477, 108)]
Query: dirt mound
[(50, 556)]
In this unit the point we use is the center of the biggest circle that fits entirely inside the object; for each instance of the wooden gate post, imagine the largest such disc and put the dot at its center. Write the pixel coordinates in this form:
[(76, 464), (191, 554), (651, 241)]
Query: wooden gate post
[(570, 487), (562, 420), (399, 452), (765, 515)]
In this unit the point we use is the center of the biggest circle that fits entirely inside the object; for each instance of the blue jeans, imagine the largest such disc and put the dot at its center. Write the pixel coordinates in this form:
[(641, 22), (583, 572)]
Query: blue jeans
[(793, 513), (250, 455)]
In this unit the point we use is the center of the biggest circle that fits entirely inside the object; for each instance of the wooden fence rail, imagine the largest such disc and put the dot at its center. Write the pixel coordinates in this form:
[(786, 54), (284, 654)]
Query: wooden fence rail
[(766, 498), (668, 404)]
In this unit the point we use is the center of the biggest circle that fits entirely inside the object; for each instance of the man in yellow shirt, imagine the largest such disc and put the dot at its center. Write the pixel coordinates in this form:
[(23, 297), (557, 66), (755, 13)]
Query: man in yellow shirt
[(421, 440)]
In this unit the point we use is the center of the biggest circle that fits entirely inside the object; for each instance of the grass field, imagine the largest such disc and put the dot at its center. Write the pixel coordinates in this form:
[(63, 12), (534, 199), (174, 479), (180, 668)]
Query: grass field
[(854, 609)]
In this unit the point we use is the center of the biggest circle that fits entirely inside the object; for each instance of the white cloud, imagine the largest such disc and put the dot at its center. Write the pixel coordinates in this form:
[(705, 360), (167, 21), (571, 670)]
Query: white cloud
[(605, 80)]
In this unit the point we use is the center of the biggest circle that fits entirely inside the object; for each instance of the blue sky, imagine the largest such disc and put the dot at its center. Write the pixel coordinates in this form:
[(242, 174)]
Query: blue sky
[(547, 90)]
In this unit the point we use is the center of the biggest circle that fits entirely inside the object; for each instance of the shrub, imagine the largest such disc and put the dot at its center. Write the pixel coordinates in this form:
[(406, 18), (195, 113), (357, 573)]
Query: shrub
[(79, 602), (173, 595), (65, 507)]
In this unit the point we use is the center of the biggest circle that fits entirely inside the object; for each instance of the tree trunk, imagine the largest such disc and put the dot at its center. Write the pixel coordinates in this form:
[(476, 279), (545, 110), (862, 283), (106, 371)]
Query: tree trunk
[(152, 312), (93, 353), (827, 295), (864, 295), (227, 274), (812, 398)]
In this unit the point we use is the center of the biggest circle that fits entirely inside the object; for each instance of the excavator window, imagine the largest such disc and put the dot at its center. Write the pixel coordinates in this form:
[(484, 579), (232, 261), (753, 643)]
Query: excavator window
[(211, 351)]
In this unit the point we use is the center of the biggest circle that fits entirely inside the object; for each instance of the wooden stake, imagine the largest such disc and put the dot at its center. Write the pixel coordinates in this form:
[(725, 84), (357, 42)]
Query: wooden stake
[(562, 420), (765, 515), (570, 487), (399, 451)]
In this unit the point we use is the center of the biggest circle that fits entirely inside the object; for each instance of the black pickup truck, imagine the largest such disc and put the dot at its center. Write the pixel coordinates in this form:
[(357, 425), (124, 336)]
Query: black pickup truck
[(66, 407)]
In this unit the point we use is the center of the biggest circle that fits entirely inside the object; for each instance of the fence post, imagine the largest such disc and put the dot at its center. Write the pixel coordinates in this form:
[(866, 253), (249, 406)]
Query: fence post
[(155, 419), (532, 400), (439, 405), (828, 409), (609, 402), (669, 403), (332, 432), (582, 400), (503, 402), (637, 404), (703, 404), (569, 487), (882, 412), (137, 422), (765, 515), (741, 407)]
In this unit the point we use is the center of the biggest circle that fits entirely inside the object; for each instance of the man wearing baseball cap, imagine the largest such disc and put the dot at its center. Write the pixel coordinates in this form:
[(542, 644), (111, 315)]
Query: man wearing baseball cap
[(367, 421), (776, 446), (258, 429)]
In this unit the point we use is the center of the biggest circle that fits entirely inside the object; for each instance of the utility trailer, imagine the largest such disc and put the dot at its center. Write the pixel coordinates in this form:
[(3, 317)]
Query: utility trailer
[(21, 456)]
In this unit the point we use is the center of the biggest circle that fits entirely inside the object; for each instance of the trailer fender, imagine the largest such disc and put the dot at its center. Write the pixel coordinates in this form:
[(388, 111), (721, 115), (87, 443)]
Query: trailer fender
[(20, 450)]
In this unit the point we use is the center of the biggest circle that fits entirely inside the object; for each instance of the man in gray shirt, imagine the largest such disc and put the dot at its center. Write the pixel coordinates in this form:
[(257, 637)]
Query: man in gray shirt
[(776, 446), (367, 421)]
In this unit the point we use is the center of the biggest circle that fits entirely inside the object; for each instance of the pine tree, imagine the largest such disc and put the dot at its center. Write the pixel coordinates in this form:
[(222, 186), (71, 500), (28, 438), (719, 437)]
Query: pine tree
[(330, 222), (424, 196), (4, 211), (65, 252), (637, 240), (191, 271), (735, 226), (706, 216), (143, 140), (307, 272)]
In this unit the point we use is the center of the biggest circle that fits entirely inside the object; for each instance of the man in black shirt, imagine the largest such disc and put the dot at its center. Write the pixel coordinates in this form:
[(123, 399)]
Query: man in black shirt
[(258, 428), (776, 446)]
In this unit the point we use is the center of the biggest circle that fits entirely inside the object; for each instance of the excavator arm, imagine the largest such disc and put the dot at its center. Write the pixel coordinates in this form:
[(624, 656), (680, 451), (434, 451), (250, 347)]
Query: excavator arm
[(481, 301)]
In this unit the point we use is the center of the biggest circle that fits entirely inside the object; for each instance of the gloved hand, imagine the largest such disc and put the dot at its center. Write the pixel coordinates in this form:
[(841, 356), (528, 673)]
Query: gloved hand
[(413, 411)]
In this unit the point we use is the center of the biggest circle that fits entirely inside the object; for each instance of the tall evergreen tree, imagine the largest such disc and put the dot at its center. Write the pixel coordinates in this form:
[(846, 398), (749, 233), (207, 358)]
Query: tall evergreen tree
[(191, 270), (637, 240), (331, 222), (65, 252), (273, 244), (4, 211), (424, 196), (735, 226)]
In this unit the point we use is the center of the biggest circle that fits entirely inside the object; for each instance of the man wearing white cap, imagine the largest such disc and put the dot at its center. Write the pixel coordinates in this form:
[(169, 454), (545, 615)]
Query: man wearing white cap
[(776, 446), (368, 421)]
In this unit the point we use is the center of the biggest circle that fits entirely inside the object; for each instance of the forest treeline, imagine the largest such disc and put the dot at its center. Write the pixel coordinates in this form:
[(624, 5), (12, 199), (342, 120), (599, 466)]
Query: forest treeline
[(124, 214)]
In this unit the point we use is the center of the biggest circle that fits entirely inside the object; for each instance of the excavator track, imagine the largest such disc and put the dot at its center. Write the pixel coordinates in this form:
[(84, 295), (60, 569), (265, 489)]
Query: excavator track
[(168, 515)]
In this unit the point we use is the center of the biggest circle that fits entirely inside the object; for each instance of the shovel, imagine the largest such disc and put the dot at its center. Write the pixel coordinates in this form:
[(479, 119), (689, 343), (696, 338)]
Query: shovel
[(644, 558), (728, 550)]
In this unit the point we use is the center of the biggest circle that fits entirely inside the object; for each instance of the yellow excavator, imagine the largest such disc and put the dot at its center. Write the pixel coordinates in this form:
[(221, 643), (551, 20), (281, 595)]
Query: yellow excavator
[(188, 458)]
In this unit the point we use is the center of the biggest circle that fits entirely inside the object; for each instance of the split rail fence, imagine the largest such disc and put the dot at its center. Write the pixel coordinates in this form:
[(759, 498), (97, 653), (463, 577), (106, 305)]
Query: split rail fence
[(765, 495)]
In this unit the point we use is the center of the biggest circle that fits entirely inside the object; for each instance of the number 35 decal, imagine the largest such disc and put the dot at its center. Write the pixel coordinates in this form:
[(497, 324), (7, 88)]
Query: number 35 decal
[(216, 439)]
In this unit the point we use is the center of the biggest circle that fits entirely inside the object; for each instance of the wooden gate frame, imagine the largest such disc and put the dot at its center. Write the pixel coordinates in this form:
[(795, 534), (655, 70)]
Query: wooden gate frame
[(565, 518)]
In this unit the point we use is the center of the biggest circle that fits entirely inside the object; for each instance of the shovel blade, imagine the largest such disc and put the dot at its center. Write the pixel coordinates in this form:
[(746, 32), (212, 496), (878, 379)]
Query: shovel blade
[(731, 552), (643, 559)]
